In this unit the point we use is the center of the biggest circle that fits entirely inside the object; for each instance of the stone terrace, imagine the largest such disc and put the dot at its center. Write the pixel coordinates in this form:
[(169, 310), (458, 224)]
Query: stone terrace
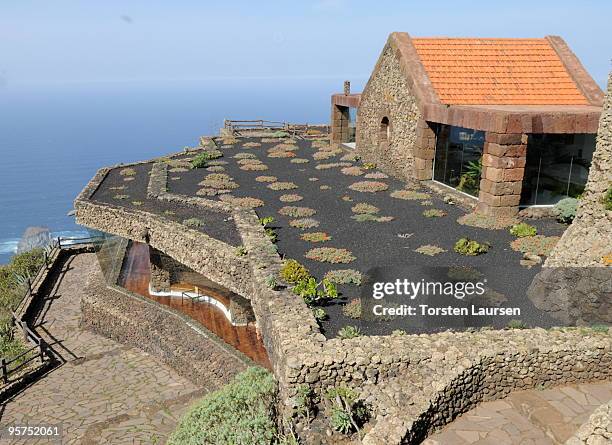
[(313, 193)]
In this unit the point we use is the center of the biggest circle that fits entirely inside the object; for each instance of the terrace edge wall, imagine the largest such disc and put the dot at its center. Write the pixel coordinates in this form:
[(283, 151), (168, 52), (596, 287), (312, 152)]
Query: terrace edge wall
[(187, 347), (381, 366)]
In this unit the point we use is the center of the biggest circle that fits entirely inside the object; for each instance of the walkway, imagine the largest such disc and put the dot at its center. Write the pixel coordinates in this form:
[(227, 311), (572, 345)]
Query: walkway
[(105, 392), (535, 417)]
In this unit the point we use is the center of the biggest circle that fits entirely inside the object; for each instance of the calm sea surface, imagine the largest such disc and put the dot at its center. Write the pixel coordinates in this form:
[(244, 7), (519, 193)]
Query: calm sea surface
[(53, 139)]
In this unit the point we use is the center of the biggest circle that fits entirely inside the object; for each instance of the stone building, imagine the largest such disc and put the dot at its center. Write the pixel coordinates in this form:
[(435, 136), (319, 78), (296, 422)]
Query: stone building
[(510, 122)]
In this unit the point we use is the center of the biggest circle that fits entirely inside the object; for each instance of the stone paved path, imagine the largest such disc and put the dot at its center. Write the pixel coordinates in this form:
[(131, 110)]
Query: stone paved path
[(105, 392), (535, 417)]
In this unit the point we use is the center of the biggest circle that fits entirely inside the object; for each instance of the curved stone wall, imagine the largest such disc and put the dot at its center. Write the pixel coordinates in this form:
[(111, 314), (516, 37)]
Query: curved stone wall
[(414, 383)]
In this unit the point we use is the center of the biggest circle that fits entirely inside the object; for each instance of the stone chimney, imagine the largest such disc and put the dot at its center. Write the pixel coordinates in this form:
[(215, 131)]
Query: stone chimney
[(347, 87)]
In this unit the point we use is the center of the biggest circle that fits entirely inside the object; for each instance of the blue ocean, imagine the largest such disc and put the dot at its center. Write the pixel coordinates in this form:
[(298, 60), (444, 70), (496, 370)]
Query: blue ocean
[(54, 138)]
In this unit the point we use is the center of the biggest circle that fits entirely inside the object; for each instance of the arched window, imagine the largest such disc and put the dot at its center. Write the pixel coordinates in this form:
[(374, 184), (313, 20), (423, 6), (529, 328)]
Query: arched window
[(385, 131)]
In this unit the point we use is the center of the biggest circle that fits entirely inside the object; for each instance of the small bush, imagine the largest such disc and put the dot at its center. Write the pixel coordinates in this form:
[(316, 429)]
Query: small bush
[(246, 202), (319, 313), (241, 251), (565, 210), (293, 272), (429, 250), (369, 186), (409, 195), (352, 309), (330, 255), (291, 197), (312, 292), (349, 332), (266, 179), (466, 246), (282, 186), (296, 212), (345, 276), (304, 223), (315, 237), (362, 208), (352, 171), (522, 230), (121, 197), (369, 166), (367, 217), (538, 245), (516, 324), (271, 282), (398, 332), (434, 213), (201, 159), (238, 413)]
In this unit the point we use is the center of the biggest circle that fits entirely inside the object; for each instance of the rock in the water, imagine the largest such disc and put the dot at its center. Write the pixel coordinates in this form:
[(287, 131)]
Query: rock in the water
[(34, 237)]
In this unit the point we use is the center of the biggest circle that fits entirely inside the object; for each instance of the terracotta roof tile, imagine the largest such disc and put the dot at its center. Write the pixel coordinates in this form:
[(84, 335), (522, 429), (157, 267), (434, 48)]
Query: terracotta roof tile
[(497, 72)]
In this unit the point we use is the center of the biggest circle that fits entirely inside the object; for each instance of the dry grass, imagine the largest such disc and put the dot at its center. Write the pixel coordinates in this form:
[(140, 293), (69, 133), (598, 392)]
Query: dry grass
[(296, 212), (369, 186), (246, 202), (352, 171), (362, 208), (266, 179), (292, 197), (409, 195), (330, 255), (315, 237), (282, 186), (429, 249), (127, 171), (304, 223)]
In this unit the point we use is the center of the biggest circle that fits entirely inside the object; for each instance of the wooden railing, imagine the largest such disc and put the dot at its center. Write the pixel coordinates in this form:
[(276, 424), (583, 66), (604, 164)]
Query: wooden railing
[(236, 126), (39, 349)]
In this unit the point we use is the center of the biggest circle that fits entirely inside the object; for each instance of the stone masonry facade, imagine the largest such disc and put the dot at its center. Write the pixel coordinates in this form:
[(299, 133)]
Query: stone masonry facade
[(400, 91), (387, 95), (414, 383)]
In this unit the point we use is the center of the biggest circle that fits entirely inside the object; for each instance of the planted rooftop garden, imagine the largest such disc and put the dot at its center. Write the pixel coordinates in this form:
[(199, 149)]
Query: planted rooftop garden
[(337, 221)]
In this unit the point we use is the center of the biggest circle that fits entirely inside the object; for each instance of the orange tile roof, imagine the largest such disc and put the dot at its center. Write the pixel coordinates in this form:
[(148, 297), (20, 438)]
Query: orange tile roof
[(497, 72)]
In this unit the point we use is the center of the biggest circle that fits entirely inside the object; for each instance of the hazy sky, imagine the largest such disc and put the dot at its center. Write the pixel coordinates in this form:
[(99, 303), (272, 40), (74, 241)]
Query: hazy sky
[(64, 41)]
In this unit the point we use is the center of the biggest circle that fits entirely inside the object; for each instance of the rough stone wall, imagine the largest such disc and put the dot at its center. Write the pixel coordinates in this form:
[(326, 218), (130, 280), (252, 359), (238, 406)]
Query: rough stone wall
[(387, 94), (576, 283), (193, 248), (589, 239), (597, 430), (178, 341), (414, 383)]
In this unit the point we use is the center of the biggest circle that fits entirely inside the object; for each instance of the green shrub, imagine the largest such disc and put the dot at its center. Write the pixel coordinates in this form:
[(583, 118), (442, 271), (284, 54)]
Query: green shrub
[(565, 210), (201, 159), (349, 332), (516, 324), (241, 251), (466, 246), (194, 223), (293, 272), (347, 413), (319, 313), (239, 413), (352, 309), (313, 292), (305, 402), (607, 201), (522, 230)]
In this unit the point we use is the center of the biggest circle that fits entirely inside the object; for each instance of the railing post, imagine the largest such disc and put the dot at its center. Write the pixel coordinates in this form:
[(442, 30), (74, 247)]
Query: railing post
[(41, 347), (59, 242), (4, 370)]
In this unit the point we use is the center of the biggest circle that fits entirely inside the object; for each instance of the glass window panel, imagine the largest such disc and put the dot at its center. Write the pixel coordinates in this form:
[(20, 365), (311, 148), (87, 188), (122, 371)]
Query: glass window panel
[(458, 158), (557, 167)]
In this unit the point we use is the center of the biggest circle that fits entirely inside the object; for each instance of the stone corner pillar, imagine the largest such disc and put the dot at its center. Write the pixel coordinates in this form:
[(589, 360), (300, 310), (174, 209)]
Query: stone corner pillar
[(424, 151), (503, 167), (160, 273), (339, 123)]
